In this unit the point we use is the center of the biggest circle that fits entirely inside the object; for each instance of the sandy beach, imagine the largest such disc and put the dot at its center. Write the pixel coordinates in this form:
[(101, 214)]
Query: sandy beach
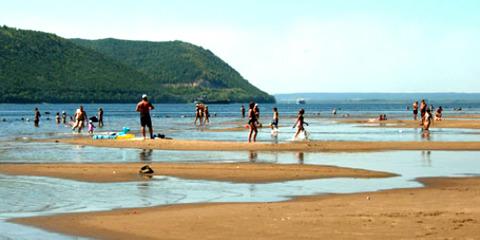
[(307, 146), (452, 122), (446, 209), (232, 172)]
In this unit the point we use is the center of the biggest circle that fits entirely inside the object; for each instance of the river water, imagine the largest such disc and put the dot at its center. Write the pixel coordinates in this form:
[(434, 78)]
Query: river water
[(24, 196)]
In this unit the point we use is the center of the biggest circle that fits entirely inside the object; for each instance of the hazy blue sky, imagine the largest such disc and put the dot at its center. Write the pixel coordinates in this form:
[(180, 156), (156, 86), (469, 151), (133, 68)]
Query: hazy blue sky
[(292, 46)]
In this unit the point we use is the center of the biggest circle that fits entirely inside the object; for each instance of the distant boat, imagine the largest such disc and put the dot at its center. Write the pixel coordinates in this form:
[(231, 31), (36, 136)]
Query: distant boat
[(301, 101)]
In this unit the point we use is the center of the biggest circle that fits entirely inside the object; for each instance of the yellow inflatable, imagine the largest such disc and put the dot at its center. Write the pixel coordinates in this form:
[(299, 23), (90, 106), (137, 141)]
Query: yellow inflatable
[(125, 136)]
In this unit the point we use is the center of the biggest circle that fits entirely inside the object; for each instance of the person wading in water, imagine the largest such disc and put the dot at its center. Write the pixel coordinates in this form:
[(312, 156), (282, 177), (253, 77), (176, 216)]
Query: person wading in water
[(144, 107)]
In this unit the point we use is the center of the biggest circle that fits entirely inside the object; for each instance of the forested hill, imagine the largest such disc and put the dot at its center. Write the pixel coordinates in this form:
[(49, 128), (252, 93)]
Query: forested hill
[(42, 67), (181, 68)]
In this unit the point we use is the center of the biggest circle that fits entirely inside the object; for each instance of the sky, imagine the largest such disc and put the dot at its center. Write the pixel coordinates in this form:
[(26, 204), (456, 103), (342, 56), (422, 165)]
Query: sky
[(291, 46)]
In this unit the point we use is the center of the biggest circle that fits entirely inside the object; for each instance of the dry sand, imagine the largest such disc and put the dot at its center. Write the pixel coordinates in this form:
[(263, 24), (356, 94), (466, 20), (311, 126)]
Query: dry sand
[(310, 146), (446, 209), (232, 172)]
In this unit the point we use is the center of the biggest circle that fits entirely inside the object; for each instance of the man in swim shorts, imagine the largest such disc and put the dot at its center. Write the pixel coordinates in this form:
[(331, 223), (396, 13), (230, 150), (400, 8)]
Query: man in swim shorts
[(144, 107)]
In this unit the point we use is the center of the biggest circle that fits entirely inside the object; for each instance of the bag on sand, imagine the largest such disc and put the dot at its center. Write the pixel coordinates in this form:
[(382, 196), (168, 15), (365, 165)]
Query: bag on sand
[(146, 170)]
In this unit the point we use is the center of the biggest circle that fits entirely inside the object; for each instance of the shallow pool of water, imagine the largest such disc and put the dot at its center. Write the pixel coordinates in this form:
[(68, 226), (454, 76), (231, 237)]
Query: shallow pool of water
[(24, 196)]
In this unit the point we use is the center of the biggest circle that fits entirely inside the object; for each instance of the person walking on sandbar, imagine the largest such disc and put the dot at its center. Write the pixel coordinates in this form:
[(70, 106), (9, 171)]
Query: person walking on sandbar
[(144, 107)]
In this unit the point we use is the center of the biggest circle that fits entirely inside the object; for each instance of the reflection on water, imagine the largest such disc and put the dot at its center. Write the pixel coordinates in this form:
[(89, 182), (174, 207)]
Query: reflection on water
[(146, 155), (426, 135), (252, 156), (300, 157), (426, 158)]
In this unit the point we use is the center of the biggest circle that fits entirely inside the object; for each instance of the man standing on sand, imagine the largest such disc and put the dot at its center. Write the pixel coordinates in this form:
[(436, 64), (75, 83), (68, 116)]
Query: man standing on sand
[(144, 107)]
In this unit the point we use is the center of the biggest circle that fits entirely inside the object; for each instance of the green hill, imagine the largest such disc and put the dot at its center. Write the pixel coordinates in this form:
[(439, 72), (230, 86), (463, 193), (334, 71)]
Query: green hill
[(181, 68), (42, 67)]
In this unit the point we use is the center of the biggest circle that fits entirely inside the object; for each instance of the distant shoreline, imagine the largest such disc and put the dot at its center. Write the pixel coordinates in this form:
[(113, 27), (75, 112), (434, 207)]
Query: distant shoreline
[(386, 97)]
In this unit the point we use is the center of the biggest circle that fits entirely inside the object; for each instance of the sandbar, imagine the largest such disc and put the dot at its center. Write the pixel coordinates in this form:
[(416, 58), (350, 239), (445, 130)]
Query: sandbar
[(398, 123), (307, 146), (231, 172), (447, 209)]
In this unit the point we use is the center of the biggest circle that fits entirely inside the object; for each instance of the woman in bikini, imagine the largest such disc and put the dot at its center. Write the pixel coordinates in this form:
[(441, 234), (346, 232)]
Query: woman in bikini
[(198, 114), (207, 115), (423, 109), (427, 120), (252, 123)]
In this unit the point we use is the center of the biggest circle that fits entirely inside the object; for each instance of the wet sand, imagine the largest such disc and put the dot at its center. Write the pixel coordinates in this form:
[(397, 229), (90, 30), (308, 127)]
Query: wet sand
[(231, 172), (451, 122), (465, 116), (447, 209), (307, 146)]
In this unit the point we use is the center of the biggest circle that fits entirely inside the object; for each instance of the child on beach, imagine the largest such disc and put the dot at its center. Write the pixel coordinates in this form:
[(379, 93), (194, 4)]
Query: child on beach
[(274, 124), (415, 110), (438, 114), (64, 117), (252, 123), (299, 125), (57, 118), (91, 127)]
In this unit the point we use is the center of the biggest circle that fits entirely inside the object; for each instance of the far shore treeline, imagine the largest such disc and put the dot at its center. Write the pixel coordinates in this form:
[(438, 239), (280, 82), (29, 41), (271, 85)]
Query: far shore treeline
[(42, 67)]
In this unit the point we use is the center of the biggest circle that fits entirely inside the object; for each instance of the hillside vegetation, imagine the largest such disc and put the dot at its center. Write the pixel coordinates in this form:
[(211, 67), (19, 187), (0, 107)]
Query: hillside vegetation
[(42, 67), (181, 68)]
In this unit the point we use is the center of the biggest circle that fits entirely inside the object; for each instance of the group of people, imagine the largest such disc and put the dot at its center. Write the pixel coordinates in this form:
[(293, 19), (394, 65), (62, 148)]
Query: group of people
[(202, 115), (426, 114), (254, 121), (77, 120)]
